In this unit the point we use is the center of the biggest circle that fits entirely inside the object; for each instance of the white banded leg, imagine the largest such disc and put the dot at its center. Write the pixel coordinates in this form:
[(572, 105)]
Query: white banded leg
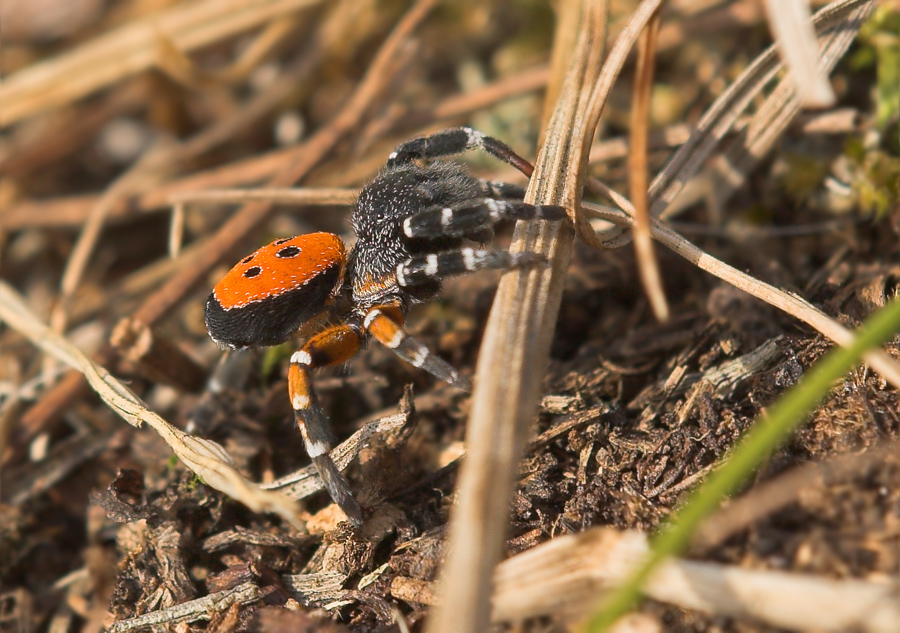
[(386, 326), (330, 347), (500, 189), (475, 216), (456, 141), (425, 268)]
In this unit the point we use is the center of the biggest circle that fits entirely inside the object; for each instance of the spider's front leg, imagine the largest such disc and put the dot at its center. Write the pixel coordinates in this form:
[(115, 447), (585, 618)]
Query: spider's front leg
[(457, 140), (422, 269), (500, 190), (332, 346), (475, 216), (385, 323)]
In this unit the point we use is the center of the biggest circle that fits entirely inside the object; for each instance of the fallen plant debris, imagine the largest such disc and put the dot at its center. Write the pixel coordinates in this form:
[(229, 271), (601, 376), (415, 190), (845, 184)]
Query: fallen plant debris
[(149, 145)]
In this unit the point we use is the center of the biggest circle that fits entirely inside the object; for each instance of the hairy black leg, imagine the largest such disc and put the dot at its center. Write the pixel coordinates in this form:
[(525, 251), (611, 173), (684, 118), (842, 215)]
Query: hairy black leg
[(499, 189), (425, 268), (456, 141), (475, 216)]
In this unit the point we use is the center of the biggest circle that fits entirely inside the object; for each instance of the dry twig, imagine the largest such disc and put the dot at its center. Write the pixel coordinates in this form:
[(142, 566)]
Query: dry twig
[(567, 574), (294, 167), (130, 49), (564, 576), (517, 339), (638, 170), (192, 611), (792, 304), (204, 457)]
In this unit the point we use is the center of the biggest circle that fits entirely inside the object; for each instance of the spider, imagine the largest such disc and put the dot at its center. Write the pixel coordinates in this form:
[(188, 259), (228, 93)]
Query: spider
[(410, 224)]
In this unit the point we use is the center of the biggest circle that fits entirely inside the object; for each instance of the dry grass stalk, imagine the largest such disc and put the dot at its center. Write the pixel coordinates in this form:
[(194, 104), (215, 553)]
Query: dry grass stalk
[(791, 25), (639, 178), (131, 49), (294, 166), (516, 345), (568, 18), (796, 306), (276, 195), (565, 575), (840, 22), (192, 611), (206, 458), (608, 75), (837, 25), (563, 578)]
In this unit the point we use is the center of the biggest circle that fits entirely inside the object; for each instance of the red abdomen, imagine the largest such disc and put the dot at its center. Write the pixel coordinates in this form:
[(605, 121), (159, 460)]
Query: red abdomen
[(268, 295)]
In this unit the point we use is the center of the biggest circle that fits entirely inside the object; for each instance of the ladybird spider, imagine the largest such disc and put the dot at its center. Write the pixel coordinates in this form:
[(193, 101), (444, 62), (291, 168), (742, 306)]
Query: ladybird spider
[(410, 223)]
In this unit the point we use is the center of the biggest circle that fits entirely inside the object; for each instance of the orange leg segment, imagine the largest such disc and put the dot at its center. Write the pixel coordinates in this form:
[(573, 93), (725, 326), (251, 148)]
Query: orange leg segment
[(333, 346), (385, 324)]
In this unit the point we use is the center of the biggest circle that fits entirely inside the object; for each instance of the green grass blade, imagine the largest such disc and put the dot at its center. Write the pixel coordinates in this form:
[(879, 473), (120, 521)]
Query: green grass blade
[(760, 442)]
